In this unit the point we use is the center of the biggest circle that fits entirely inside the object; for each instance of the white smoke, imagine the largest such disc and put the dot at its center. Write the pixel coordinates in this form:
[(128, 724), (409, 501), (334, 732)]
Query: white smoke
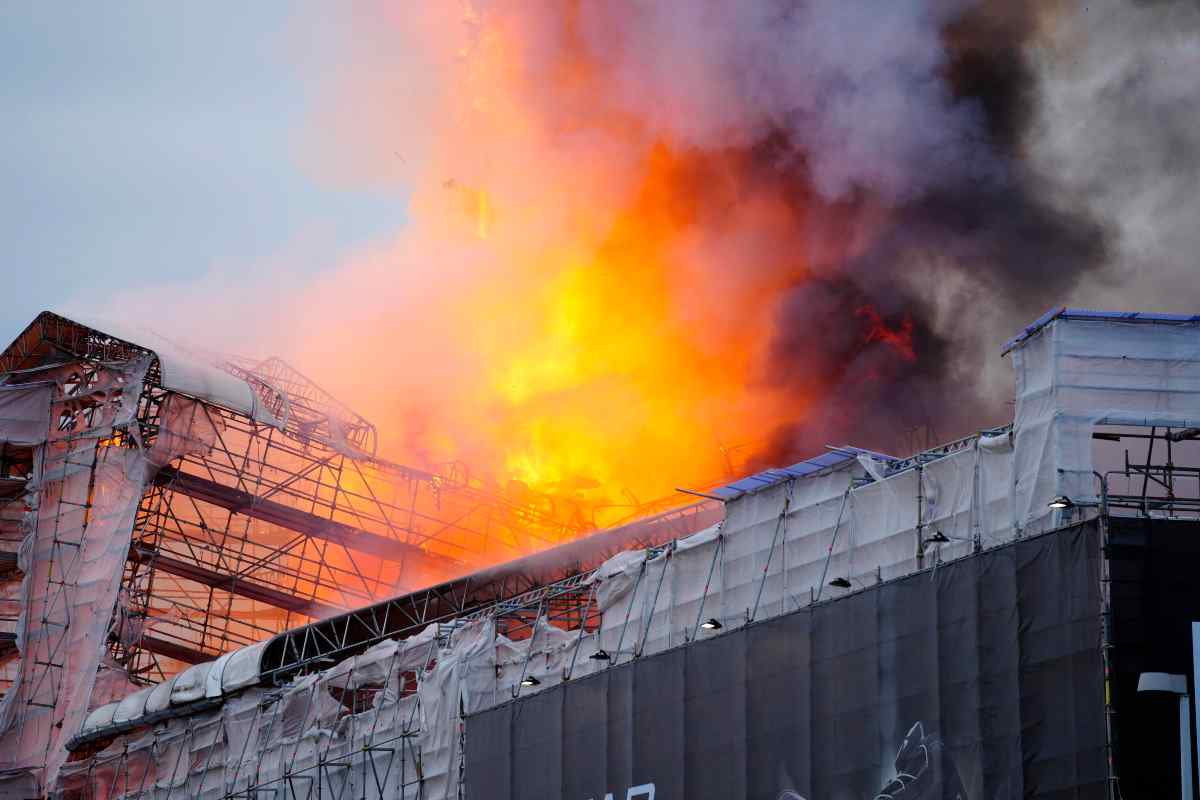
[(857, 87), (1116, 129)]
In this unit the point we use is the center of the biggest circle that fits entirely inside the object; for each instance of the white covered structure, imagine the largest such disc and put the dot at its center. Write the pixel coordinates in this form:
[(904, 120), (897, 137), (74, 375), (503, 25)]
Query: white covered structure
[(386, 723)]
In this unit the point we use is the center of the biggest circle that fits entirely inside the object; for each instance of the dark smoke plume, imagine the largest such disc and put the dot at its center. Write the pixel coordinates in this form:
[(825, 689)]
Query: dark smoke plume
[(1022, 234), (830, 211), (908, 125)]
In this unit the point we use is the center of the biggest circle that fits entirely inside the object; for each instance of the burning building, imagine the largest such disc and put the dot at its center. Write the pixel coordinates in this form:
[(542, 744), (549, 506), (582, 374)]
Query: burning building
[(163, 508), (645, 247), (194, 618)]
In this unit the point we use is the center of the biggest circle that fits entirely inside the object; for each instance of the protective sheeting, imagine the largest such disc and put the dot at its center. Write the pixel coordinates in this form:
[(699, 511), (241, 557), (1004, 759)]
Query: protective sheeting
[(241, 668), (158, 700), (82, 499), (362, 729), (188, 374), (779, 548), (389, 718), (24, 410), (90, 473), (1064, 312), (384, 724), (995, 655), (1079, 371), (763, 561), (771, 477), (981, 681), (191, 684), (186, 427), (775, 552), (132, 706)]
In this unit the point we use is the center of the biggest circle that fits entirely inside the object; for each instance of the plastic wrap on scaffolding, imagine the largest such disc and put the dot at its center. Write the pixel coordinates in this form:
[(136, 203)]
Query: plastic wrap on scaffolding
[(82, 499), (388, 722), (379, 725), (982, 682), (781, 548), (1078, 372), (803, 540), (24, 409)]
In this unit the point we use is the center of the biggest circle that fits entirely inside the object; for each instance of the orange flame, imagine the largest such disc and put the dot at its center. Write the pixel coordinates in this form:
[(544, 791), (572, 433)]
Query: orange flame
[(577, 305), (900, 338)]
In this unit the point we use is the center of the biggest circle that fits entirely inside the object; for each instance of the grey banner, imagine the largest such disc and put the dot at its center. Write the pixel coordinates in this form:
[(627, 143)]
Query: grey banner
[(980, 679)]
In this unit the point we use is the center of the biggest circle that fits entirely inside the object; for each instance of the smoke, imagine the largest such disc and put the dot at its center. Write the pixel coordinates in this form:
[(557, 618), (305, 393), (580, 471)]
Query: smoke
[(903, 123), (853, 88), (657, 244), (1115, 125), (1013, 156)]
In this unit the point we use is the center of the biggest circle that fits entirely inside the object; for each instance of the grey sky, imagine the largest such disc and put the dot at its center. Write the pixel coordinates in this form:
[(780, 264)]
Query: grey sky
[(153, 142)]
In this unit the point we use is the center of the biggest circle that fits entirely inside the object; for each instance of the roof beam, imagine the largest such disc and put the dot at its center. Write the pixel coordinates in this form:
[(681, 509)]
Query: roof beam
[(240, 502), (176, 650), (234, 584)]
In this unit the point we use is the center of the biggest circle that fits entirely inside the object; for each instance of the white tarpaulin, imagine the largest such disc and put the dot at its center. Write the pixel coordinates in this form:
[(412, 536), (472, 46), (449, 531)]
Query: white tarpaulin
[(188, 374), (387, 722), (1080, 371), (25, 413), (82, 498)]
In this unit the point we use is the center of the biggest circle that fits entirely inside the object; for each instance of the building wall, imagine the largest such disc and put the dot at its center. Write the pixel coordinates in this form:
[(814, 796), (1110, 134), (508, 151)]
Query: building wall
[(990, 639), (988, 668)]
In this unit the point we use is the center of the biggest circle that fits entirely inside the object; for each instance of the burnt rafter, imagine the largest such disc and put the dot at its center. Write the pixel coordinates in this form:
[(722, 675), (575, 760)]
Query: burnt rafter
[(241, 502), (234, 584)]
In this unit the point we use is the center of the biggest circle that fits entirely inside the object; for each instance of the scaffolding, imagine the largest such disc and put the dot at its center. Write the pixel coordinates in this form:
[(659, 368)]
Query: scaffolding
[(369, 702), (372, 710), (263, 525), (238, 498)]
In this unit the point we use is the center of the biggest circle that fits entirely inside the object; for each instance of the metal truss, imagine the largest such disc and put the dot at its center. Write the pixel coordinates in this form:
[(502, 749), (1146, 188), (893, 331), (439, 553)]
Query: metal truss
[(552, 580), (272, 526)]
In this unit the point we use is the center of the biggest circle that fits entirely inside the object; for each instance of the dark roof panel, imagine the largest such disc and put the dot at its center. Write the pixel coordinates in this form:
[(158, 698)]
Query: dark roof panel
[(836, 457)]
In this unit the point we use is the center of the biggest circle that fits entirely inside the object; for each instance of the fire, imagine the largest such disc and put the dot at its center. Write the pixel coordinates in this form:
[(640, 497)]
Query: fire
[(900, 338), (599, 385), (578, 305)]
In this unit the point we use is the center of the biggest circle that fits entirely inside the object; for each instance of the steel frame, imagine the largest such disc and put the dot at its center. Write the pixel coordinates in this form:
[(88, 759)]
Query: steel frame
[(554, 577), (276, 525), (553, 587)]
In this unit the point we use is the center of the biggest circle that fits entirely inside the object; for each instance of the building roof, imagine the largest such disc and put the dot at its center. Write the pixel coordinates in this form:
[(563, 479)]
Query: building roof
[(1063, 312), (836, 457), (269, 391)]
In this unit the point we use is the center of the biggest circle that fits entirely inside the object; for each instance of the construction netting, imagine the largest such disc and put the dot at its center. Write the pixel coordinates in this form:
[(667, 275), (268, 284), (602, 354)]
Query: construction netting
[(1080, 373), (982, 680), (81, 500), (388, 723), (89, 473)]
